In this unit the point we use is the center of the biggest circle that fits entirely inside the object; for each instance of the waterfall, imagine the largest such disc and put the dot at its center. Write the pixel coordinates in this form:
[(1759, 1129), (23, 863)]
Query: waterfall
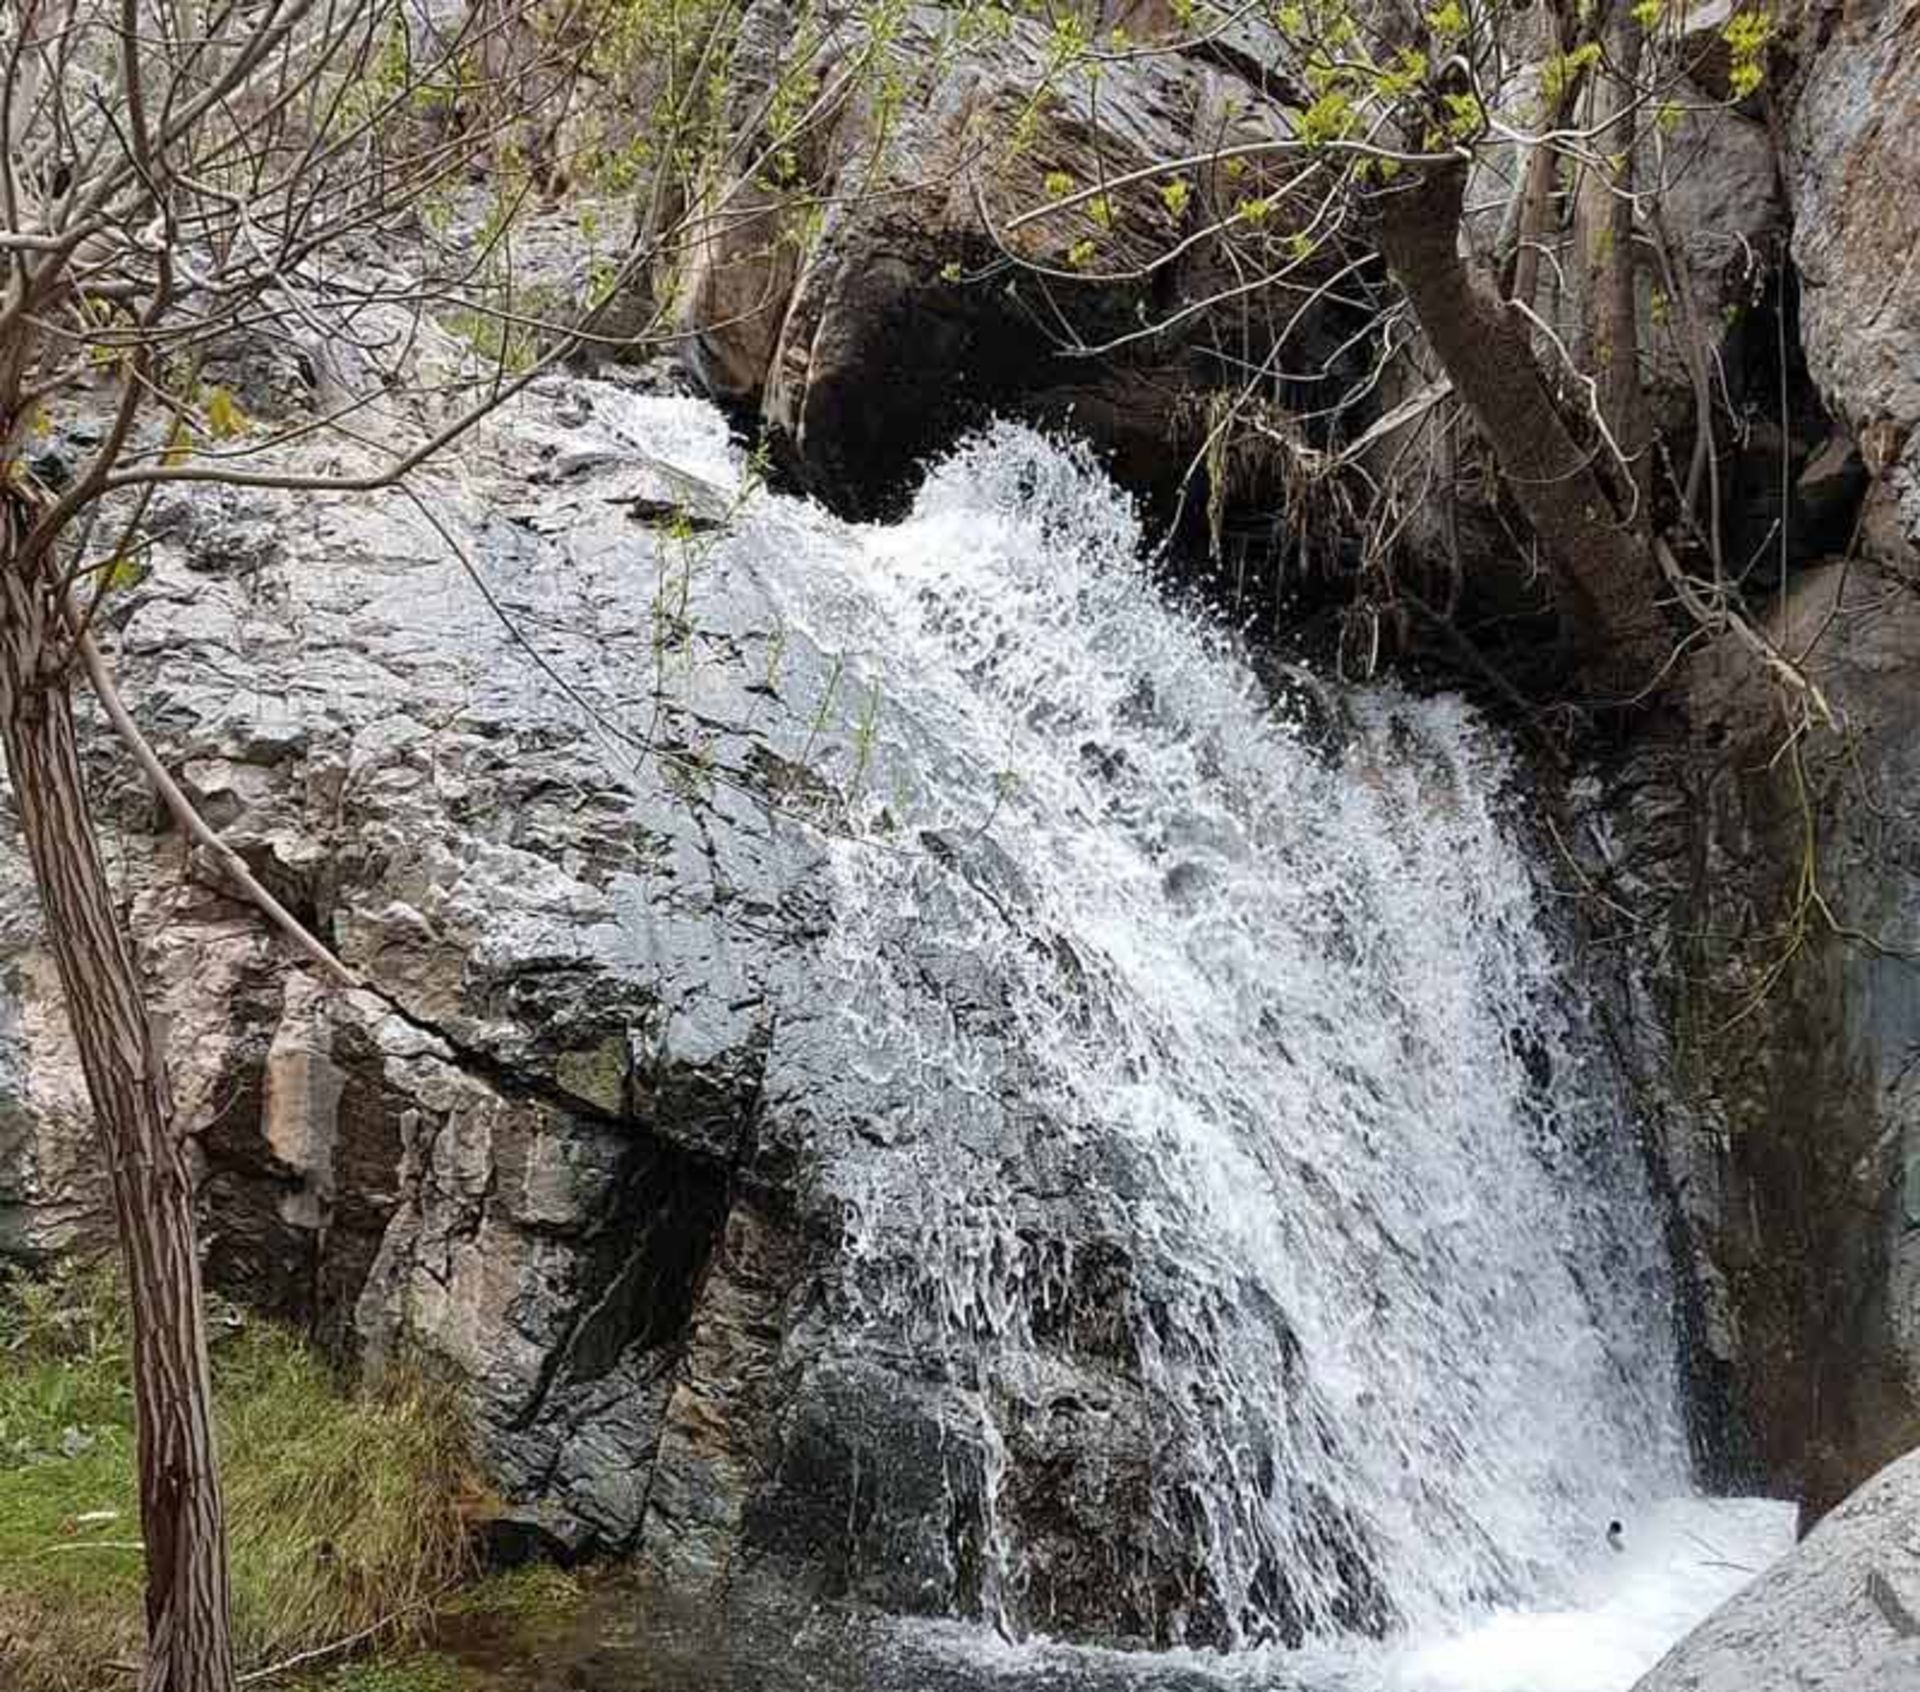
[(1238, 1170)]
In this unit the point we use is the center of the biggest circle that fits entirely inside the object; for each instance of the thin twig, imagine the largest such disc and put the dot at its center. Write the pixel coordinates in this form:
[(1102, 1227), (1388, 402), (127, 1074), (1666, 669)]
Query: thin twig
[(183, 812)]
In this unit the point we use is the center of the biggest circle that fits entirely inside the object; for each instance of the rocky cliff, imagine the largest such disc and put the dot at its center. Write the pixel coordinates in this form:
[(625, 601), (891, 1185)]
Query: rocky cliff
[(1763, 840)]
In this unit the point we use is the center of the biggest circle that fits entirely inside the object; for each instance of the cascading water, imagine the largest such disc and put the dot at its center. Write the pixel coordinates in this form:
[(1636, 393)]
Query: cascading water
[(1236, 1171), (1410, 1345)]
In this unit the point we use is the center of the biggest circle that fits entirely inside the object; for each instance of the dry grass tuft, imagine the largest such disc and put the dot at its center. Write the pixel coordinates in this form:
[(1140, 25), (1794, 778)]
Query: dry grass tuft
[(346, 1508)]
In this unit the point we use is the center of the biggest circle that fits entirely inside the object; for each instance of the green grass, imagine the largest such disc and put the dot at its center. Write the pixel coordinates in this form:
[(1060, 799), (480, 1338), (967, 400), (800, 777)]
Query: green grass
[(346, 1509), (410, 1671)]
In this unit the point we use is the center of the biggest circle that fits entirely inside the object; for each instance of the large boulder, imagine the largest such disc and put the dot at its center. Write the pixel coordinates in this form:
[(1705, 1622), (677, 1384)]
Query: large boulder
[(515, 1152), (884, 1060), (1841, 1613)]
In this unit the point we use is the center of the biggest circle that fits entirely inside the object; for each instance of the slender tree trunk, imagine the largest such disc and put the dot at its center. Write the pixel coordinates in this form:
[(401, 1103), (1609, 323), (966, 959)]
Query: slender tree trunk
[(1608, 579), (1543, 165), (189, 1644), (1607, 340)]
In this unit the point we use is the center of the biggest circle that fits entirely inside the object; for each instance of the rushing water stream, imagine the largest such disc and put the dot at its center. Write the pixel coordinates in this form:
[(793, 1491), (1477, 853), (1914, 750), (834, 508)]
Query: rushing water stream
[(1259, 996)]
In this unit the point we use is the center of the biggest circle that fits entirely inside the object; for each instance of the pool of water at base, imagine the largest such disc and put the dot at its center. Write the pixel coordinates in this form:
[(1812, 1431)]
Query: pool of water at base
[(1633, 1603)]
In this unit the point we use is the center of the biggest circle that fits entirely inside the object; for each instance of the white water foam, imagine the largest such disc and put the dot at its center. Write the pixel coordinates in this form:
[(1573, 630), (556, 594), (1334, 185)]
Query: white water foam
[(1310, 986), (1678, 1563)]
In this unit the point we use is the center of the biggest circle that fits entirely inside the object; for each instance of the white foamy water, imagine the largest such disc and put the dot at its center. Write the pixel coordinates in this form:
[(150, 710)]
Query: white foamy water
[(1416, 1302), (1261, 1001), (1679, 1563)]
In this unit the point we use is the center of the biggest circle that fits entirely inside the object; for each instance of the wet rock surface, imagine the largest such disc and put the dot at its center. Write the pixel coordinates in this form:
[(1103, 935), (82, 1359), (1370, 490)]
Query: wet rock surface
[(1758, 847), (557, 782), (1763, 868), (843, 1213)]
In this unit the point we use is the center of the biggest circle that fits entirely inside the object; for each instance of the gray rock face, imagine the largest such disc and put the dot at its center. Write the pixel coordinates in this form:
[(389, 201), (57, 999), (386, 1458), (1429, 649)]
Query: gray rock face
[(1721, 219), (1767, 853), (517, 1151), (1771, 865), (1856, 203), (904, 322), (52, 1189), (564, 1143), (1841, 1613)]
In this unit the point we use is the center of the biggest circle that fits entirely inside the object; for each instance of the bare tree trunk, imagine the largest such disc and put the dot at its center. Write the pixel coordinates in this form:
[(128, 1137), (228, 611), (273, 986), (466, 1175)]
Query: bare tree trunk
[(1608, 337), (189, 1644), (1543, 164), (1609, 581)]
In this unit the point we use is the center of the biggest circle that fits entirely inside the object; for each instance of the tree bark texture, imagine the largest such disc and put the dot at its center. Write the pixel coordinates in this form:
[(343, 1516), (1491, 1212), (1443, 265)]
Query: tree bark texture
[(1607, 579), (189, 1641), (1607, 340), (1543, 166)]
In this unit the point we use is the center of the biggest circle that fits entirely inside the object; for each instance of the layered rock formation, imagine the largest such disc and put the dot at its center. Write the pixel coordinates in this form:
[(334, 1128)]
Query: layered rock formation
[(1763, 868), (1848, 166), (1762, 839), (1024, 1209), (565, 1139), (517, 1149)]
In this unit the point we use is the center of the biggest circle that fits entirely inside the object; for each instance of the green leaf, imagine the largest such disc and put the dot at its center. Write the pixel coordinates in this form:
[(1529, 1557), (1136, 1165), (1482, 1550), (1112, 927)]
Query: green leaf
[(225, 419)]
